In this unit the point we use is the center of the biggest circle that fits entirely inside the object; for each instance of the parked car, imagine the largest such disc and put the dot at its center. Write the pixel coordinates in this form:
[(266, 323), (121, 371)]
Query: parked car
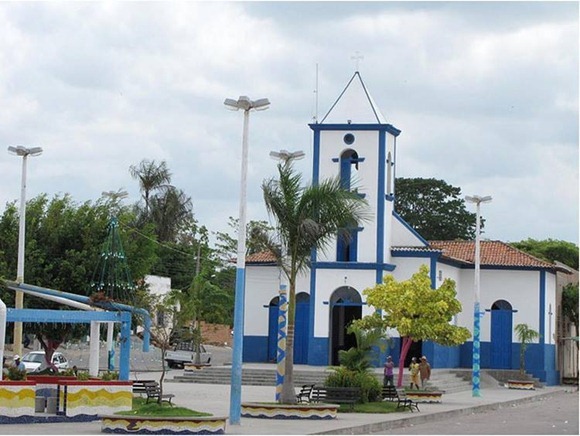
[(185, 352), (35, 361)]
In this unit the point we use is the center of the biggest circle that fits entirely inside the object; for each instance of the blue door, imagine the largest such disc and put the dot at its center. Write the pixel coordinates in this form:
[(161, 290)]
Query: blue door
[(301, 328), (273, 329), (501, 335)]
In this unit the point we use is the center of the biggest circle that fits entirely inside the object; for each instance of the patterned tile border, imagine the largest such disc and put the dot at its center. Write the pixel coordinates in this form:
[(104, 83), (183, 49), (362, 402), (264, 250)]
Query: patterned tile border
[(289, 411), (123, 424), (520, 384), (425, 397)]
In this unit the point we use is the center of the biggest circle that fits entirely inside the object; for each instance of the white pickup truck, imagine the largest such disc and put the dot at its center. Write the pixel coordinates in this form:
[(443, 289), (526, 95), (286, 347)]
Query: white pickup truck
[(184, 353)]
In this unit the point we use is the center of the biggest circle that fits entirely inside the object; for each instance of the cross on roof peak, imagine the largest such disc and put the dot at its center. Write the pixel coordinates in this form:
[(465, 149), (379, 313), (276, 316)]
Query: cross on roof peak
[(357, 58)]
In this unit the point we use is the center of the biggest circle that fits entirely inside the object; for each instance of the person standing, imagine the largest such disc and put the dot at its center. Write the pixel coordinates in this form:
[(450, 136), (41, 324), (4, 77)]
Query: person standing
[(425, 371), (388, 372), (414, 369), (18, 364)]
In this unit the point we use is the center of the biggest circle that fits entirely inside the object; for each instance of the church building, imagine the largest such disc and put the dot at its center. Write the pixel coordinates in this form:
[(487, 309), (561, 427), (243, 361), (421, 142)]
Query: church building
[(355, 142)]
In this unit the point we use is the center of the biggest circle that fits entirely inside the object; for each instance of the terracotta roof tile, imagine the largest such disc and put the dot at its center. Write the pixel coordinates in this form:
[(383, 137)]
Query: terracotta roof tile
[(493, 253), (261, 257)]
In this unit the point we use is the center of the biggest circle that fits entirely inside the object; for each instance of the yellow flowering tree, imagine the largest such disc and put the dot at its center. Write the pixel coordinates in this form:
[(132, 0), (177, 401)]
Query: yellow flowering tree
[(418, 312)]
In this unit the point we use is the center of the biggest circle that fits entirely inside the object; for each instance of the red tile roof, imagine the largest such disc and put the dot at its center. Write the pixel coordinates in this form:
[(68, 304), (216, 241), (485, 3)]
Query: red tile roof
[(493, 253), (261, 257)]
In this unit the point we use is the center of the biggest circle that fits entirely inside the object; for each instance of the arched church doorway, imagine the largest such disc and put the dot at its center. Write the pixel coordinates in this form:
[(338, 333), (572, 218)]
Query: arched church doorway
[(501, 335), (301, 328), (345, 307)]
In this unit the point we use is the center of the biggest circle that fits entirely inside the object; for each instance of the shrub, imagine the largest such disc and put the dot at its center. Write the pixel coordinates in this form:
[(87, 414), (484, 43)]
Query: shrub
[(114, 375), (83, 375), (16, 374), (367, 382)]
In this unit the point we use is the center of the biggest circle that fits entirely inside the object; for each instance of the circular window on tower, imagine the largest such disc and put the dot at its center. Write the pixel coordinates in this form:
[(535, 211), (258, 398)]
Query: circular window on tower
[(348, 138)]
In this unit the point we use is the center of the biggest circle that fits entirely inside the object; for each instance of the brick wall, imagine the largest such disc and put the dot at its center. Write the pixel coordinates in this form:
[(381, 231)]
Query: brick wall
[(216, 334)]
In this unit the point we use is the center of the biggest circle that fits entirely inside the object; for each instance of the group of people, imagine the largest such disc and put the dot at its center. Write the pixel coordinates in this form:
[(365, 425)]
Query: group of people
[(419, 370)]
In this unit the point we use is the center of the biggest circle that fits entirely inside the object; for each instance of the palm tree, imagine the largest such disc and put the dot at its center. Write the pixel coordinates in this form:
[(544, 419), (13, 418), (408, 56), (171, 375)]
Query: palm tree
[(306, 218), (151, 176), (525, 336)]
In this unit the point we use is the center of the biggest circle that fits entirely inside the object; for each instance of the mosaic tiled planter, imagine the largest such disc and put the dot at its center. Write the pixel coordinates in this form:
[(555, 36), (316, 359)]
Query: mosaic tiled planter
[(17, 399), (520, 384), (425, 396), (290, 411), (123, 424), (94, 397)]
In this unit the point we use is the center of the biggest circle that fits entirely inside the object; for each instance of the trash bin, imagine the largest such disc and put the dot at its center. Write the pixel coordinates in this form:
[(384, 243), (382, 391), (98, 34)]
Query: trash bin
[(51, 405), (39, 404)]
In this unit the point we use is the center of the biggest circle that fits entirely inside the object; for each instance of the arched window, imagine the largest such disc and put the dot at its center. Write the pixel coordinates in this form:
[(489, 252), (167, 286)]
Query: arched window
[(348, 168)]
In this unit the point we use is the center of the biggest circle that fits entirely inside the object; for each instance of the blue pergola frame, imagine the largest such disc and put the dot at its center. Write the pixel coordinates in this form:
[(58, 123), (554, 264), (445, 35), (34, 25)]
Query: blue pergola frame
[(82, 317)]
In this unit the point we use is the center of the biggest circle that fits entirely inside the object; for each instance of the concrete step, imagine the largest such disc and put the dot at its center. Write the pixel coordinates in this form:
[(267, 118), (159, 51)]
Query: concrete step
[(441, 380)]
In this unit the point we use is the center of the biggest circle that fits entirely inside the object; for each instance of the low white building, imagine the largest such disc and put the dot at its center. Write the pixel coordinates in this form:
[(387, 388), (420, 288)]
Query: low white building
[(354, 141)]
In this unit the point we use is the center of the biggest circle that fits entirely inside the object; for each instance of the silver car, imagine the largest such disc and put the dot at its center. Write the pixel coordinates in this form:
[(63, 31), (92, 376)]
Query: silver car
[(35, 361)]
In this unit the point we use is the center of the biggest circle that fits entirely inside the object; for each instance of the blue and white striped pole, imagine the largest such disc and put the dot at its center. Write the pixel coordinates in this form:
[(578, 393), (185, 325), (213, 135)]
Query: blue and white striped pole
[(281, 347), (475, 376)]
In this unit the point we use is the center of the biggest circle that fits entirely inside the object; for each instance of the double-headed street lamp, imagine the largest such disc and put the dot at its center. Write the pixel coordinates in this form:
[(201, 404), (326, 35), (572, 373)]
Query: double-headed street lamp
[(24, 152), (476, 311), (245, 104)]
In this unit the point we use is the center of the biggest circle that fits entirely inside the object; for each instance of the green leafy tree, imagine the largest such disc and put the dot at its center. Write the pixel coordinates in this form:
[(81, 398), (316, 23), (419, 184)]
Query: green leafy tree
[(551, 250), (306, 218), (63, 244), (525, 335), (434, 209), (570, 304), (418, 312)]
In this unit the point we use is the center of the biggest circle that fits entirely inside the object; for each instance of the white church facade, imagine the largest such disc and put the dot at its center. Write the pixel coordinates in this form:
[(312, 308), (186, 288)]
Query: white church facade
[(355, 142)]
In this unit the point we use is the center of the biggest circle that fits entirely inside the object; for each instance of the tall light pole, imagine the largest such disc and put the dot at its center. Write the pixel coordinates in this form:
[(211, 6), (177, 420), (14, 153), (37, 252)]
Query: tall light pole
[(286, 157), (245, 104), (478, 200), (24, 152)]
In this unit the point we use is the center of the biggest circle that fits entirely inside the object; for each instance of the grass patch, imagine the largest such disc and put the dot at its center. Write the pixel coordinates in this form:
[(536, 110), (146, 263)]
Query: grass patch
[(373, 407), (155, 409)]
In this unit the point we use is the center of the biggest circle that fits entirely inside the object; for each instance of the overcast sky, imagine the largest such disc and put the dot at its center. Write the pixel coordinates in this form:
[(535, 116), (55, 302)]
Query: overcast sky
[(486, 96)]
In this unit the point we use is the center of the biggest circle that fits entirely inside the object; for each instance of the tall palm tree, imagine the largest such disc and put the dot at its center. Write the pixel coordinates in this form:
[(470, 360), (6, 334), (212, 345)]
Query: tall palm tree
[(306, 218), (151, 176)]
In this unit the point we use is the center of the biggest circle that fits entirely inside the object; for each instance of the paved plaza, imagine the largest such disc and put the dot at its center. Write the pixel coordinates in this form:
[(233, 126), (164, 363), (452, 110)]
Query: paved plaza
[(215, 399)]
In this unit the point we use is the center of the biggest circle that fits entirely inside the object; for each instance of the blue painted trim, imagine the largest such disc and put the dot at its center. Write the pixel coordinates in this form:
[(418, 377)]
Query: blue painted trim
[(379, 127), (353, 265), (542, 331), (433, 271), (357, 160), (411, 229), (433, 254), (380, 241), (316, 158), (390, 197), (312, 307)]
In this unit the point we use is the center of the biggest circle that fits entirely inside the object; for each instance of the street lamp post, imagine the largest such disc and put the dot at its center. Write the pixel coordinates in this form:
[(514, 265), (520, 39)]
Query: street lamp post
[(478, 200), (286, 157), (245, 104), (24, 152)]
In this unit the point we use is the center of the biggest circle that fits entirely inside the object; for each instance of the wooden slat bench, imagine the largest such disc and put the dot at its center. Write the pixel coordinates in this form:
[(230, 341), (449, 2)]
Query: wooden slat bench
[(305, 394), (139, 386), (153, 392), (338, 395), (389, 393), (405, 403)]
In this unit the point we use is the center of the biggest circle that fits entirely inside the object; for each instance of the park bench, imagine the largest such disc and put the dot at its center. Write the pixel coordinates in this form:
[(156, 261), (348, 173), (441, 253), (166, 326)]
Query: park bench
[(139, 386), (405, 403), (153, 391), (389, 393), (338, 395), (305, 394)]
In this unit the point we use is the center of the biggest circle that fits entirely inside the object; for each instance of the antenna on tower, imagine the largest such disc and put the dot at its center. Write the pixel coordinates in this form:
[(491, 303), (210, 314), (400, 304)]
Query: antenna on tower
[(315, 117)]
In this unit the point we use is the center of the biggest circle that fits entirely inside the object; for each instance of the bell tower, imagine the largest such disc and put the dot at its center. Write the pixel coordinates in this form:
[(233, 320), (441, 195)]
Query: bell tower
[(355, 142)]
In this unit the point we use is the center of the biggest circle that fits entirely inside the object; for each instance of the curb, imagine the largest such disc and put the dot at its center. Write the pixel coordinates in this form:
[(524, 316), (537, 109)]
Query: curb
[(436, 416)]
